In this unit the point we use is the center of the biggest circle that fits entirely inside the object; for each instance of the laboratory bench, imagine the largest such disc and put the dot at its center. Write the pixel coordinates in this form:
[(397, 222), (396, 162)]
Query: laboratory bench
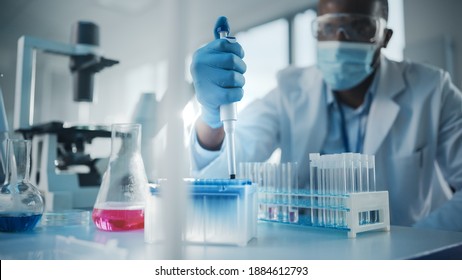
[(274, 241)]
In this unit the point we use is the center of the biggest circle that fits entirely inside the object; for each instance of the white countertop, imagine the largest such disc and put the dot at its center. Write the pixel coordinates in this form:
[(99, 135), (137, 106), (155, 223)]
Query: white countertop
[(274, 241)]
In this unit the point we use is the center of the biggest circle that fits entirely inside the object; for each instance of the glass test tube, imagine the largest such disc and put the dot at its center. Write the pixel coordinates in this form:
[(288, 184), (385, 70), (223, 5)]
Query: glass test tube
[(372, 186), (271, 181), (333, 165), (292, 182), (334, 192), (283, 192), (324, 190), (337, 188), (262, 177), (320, 221), (314, 161), (329, 186), (344, 186), (365, 217)]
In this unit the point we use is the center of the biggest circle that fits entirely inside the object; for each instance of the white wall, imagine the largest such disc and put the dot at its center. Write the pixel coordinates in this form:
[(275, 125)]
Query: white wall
[(428, 25)]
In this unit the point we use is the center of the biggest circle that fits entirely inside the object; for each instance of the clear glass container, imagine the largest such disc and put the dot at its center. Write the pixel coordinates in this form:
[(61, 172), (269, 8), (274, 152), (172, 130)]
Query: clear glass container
[(21, 204), (122, 196), (67, 217)]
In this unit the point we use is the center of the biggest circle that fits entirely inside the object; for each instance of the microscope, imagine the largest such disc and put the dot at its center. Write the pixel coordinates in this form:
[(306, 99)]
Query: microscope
[(58, 148)]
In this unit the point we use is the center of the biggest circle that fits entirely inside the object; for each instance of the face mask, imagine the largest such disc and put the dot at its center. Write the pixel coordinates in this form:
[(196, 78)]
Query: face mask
[(345, 64)]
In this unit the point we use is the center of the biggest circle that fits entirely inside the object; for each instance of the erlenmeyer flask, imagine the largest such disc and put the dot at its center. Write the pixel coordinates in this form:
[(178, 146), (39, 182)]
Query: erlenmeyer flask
[(121, 198), (21, 205)]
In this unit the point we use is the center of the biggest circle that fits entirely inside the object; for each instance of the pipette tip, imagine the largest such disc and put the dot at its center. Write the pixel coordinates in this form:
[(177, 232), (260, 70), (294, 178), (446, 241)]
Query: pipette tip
[(232, 176)]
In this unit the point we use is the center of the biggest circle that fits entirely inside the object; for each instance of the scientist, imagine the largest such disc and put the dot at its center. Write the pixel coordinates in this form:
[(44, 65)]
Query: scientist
[(354, 100)]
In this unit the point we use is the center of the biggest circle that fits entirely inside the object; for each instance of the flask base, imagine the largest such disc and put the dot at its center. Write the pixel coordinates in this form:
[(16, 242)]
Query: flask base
[(16, 222)]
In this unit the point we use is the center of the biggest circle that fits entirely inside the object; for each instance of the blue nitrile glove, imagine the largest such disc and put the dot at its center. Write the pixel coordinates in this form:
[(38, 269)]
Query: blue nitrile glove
[(217, 70)]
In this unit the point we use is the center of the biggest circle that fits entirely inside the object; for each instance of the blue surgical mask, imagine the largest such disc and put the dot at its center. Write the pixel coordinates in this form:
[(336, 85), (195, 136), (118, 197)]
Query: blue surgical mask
[(345, 64)]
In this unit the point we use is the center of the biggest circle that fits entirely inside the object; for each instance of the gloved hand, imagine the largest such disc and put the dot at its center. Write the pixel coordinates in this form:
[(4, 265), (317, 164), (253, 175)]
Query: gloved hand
[(217, 70)]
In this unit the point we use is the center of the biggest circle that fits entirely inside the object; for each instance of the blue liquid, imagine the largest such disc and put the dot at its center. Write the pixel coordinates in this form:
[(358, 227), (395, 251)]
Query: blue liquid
[(14, 222)]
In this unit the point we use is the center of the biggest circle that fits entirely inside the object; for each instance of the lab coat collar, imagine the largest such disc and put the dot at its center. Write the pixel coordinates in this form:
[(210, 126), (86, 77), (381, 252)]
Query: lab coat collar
[(384, 109)]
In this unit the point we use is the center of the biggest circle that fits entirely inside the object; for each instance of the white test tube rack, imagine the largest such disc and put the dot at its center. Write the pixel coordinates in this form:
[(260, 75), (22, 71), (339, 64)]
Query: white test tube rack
[(355, 208), (367, 202)]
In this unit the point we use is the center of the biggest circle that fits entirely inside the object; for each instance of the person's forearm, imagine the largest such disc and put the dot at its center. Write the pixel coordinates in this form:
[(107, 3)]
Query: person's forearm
[(209, 138)]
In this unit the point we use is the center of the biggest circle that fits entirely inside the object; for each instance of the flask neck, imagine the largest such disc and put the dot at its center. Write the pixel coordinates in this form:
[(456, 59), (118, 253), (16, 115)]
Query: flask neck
[(126, 142), (17, 161)]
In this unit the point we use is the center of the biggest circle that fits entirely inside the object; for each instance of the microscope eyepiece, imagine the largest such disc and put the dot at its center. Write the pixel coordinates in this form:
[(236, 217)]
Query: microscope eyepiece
[(85, 32)]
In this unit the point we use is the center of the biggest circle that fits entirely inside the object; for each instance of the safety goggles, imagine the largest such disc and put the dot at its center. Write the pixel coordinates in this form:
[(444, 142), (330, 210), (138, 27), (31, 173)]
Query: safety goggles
[(349, 27)]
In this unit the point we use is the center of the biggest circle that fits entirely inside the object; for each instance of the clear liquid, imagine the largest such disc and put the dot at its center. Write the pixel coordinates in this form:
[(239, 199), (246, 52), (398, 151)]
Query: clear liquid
[(16, 222), (118, 219)]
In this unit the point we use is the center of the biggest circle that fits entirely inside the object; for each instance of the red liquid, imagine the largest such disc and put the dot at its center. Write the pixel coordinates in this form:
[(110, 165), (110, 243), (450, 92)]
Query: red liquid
[(118, 220)]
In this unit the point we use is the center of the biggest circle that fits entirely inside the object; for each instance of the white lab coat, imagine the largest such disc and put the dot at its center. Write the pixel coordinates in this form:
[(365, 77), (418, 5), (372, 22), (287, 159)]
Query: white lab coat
[(414, 129)]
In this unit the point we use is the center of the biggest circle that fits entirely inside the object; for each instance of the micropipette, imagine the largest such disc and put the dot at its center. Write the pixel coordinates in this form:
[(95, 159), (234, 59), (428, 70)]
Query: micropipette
[(228, 113)]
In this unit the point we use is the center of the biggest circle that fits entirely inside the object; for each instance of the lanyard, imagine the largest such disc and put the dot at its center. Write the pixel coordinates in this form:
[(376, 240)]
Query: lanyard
[(344, 132)]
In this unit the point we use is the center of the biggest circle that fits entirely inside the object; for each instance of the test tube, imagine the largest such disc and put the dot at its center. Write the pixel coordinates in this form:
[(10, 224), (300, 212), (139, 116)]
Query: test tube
[(350, 172), (262, 177), (333, 198), (320, 192), (320, 203), (322, 210), (372, 186), (343, 186), (283, 191), (358, 169), (271, 172), (243, 171), (292, 172), (330, 187), (337, 190), (326, 191), (365, 217), (314, 161)]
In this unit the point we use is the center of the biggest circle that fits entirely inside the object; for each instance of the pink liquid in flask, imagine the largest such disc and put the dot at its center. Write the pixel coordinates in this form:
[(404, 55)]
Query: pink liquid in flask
[(118, 219)]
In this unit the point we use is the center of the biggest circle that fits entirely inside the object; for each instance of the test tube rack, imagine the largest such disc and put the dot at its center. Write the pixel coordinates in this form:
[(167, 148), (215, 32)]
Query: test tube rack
[(342, 194), (354, 212)]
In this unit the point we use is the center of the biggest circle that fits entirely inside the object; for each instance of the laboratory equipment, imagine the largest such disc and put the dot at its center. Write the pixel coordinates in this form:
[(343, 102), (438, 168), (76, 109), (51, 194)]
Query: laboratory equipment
[(355, 27), (277, 189), (21, 205), (220, 211), (69, 217), (228, 112), (121, 198), (3, 136), (342, 194), (62, 167)]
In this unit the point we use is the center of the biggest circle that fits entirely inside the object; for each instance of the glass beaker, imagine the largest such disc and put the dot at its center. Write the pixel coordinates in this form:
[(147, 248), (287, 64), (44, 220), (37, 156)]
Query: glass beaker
[(21, 204), (122, 196)]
